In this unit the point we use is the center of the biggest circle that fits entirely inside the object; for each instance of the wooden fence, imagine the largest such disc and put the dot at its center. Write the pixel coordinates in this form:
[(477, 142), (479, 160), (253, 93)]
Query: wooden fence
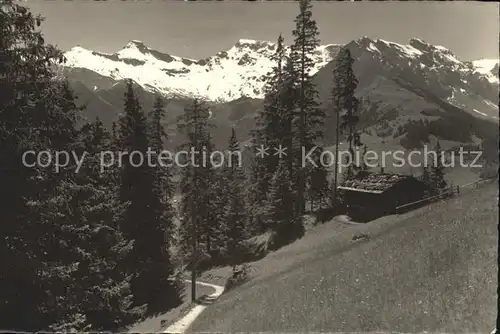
[(449, 192)]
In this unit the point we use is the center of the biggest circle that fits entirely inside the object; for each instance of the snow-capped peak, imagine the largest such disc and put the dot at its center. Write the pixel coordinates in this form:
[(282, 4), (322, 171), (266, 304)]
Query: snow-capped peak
[(487, 67), (78, 48), (227, 75), (245, 41), (135, 43), (239, 70)]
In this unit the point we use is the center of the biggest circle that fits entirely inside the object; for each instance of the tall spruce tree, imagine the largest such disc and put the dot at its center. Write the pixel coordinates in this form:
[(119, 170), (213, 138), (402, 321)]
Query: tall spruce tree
[(235, 215), (162, 169), (194, 185), (168, 283), (271, 118), (218, 200), (89, 199), (350, 118), (272, 112), (309, 118), (210, 218), (344, 104), (269, 134), (146, 220), (289, 95), (276, 119)]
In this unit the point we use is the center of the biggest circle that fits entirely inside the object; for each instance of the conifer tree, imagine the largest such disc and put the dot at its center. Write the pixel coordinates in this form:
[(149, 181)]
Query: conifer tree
[(89, 201), (271, 118), (211, 214), (289, 95), (256, 187), (146, 220), (235, 215), (309, 118), (133, 180), (114, 147), (350, 118), (218, 199), (280, 217), (437, 171), (344, 104), (273, 122), (194, 185), (33, 116), (161, 168)]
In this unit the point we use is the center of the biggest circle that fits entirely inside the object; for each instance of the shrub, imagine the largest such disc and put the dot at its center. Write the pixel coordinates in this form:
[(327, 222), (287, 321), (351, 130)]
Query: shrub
[(285, 234), (241, 275), (249, 250)]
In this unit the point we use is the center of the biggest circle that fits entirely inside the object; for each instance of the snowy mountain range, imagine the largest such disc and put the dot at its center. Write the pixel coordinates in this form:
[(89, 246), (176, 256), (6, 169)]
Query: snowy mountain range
[(238, 72), (226, 76), (409, 94)]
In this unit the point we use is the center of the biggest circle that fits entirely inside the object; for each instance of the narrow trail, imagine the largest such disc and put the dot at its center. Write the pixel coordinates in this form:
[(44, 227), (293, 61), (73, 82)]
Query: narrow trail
[(183, 324)]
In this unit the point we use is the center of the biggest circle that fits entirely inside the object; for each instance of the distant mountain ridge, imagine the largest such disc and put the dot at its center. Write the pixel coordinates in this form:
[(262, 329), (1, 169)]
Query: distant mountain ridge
[(410, 94), (226, 76), (238, 72)]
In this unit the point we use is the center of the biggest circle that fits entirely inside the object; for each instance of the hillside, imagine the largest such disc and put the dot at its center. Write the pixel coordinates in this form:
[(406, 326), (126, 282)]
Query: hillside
[(399, 85), (327, 282)]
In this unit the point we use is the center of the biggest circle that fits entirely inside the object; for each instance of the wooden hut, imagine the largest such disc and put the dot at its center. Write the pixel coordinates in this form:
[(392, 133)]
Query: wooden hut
[(370, 195)]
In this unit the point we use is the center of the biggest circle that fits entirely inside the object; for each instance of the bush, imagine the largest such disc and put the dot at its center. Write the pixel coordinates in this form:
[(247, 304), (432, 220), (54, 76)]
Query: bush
[(285, 234), (240, 276), (254, 249), (249, 250)]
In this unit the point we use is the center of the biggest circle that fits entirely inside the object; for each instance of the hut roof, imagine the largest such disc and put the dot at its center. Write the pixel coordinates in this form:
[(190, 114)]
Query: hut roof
[(373, 182)]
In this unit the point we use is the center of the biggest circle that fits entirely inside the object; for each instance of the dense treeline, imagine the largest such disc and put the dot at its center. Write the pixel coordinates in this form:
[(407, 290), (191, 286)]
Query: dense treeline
[(80, 248)]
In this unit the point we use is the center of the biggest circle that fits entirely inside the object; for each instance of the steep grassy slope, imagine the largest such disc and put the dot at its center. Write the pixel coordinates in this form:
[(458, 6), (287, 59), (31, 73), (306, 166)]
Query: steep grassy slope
[(433, 269)]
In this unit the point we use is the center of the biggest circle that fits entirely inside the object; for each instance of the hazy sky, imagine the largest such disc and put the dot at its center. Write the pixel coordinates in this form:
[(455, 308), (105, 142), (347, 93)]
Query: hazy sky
[(201, 29)]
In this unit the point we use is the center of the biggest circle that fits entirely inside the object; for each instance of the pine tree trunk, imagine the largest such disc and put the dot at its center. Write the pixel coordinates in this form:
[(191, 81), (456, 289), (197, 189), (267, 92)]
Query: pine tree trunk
[(301, 183), (335, 173), (194, 262), (194, 236), (351, 151), (193, 284)]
